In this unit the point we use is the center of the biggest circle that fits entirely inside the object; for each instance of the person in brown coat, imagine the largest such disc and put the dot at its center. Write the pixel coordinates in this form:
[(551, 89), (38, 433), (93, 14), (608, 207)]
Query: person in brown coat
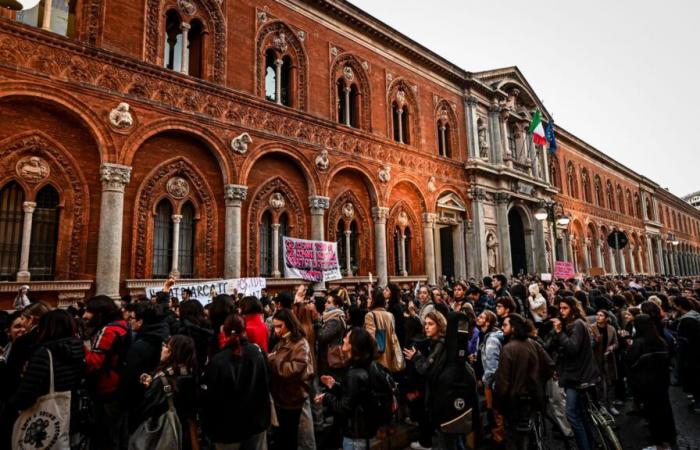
[(291, 369), (524, 368), (604, 347)]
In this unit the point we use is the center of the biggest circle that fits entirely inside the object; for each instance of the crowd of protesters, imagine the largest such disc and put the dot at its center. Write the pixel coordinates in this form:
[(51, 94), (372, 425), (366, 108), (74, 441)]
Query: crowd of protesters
[(298, 370)]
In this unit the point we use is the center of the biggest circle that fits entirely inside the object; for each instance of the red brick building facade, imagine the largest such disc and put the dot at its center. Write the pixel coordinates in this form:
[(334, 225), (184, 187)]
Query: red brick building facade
[(127, 156)]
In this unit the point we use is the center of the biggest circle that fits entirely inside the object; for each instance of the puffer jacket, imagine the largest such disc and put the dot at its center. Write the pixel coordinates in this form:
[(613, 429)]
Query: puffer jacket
[(576, 365), (143, 357), (490, 355), (68, 369), (292, 370), (331, 333), (349, 400)]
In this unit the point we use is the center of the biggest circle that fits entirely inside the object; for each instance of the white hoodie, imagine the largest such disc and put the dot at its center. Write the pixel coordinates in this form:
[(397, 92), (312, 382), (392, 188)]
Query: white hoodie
[(538, 304)]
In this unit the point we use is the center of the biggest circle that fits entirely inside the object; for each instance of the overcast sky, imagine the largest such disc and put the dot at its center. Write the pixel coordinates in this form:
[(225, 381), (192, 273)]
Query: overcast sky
[(619, 74)]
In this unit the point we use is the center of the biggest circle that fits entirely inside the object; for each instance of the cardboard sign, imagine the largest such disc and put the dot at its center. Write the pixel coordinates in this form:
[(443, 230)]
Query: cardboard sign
[(564, 270), (205, 291), (310, 260), (546, 277)]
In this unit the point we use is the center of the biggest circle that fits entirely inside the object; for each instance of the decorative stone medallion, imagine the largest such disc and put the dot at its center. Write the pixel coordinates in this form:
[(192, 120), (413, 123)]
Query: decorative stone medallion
[(240, 143), (120, 117), (348, 73), (178, 187), (32, 169), (348, 211), (322, 161), (187, 7), (277, 201), (403, 219), (385, 174)]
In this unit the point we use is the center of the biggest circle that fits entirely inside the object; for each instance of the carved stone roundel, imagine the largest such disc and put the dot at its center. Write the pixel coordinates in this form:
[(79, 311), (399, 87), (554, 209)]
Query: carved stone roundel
[(32, 169), (403, 219), (348, 211), (348, 73), (178, 187), (277, 201)]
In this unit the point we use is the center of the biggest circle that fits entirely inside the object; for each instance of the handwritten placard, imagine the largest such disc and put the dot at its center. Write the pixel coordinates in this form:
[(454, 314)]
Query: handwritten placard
[(310, 260), (564, 270)]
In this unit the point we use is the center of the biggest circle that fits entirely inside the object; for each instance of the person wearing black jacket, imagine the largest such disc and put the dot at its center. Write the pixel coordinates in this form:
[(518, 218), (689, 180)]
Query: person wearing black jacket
[(236, 391), (349, 400), (649, 377), (144, 353), (193, 324), (57, 333), (577, 370), (392, 294)]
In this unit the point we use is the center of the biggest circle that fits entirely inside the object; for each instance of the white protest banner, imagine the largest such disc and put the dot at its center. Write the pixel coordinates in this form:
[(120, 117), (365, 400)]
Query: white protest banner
[(311, 260), (204, 291)]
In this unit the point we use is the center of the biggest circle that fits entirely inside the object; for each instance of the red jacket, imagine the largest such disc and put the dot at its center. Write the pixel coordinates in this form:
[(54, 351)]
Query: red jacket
[(105, 354), (256, 330)]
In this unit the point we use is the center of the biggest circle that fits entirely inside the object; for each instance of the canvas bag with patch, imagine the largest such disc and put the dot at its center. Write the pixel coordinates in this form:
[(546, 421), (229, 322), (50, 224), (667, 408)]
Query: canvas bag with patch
[(46, 425)]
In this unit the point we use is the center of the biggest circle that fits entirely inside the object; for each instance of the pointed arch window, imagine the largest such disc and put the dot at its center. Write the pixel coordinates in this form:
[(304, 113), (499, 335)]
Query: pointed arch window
[(585, 179), (11, 217), (444, 133), (571, 180), (397, 251), (599, 192), (346, 238), (162, 240), (348, 98), (401, 118), (184, 45), (630, 204), (611, 196), (620, 200), (53, 15), (42, 249), (407, 246), (554, 175)]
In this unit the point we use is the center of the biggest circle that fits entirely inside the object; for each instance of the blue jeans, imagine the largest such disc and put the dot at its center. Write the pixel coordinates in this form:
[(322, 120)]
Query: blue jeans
[(354, 444), (576, 415)]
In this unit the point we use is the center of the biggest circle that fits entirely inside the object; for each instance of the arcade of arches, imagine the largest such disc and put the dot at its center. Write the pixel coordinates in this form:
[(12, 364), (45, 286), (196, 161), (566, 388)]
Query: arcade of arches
[(163, 152)]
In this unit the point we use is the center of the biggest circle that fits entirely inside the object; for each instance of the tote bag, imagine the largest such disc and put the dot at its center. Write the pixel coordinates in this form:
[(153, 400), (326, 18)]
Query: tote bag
[(159, 433), (45, 425)]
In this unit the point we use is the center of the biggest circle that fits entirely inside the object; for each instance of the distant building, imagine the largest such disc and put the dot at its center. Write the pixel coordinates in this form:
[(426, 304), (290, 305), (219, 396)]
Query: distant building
[(693, 199)]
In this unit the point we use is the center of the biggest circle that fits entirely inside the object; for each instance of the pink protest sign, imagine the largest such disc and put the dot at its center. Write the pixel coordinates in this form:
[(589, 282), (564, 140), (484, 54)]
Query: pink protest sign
[(564, 270)]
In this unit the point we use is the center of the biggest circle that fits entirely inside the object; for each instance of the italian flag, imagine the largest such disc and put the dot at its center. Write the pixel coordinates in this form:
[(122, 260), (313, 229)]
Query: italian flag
[(537, 129)]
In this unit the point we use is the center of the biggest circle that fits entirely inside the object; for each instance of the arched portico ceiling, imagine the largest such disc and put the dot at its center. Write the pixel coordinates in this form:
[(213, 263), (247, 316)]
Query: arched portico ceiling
[(506, 79), (452, 202)]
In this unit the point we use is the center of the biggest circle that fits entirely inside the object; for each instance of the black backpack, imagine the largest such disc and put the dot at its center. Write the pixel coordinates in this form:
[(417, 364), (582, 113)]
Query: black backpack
[(382, 403)]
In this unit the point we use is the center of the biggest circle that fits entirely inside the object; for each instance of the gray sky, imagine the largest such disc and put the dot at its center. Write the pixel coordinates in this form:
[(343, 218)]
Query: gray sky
[(619, 74)]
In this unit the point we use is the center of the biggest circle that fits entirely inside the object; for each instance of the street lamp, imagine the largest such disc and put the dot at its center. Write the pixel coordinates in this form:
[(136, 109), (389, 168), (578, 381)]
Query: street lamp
[(672, 239), (554, 213), (18, 5)]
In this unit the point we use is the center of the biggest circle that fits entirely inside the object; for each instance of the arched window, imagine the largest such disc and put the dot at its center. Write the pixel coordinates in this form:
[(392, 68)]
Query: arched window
[(512, 141), (443, 130), (173, 41), (42, 249), (11, 218), (637, 206), (163, 240), (348, 95), (620, 200), (630, 203), (185, 259), (61, 17), (599, 192), (571, 180), (270, 75), (611, 196), (400, 114), (342, 239), (266, 244), (586, 185)]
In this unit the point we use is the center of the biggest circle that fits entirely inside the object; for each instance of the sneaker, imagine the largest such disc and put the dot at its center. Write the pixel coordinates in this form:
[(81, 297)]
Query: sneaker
[(614, 411), (416, 446)]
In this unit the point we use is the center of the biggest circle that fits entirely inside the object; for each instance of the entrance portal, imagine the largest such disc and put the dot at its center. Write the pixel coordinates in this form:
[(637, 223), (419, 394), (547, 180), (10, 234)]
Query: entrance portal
[(447, 252), (517, 242)]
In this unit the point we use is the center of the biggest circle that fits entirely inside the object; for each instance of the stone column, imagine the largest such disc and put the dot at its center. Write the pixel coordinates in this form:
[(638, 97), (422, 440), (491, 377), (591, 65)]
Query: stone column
[(613, 263), (23, 274), (623, 264), (458, 250), (502, 200), (539, 250), (348, 259), (234, 195), (599, 255), (114, 179), (650, 255), (660, 254), (633, 264), (564, 246), (429, 247), (46, 22), (318, 206), (472, 128), (276, 250), (174, 272), (185, 55), (478, 254), (278, 81), (642, 199), (379, 215), (545, 165), (586, 253), (443, 140), (399, 112)]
